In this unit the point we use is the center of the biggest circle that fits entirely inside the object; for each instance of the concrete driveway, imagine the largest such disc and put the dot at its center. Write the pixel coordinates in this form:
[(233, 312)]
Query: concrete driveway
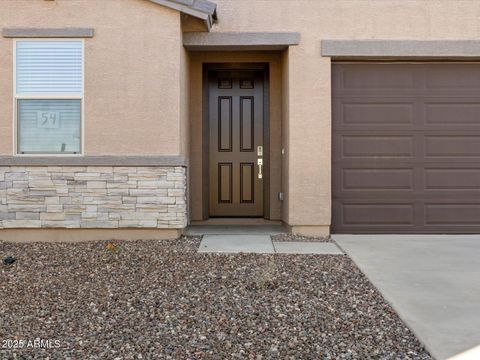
[(433, 282)]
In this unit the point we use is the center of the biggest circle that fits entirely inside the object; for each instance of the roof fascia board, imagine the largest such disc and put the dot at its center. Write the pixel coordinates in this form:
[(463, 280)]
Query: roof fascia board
[(401, 48), (198, 41)]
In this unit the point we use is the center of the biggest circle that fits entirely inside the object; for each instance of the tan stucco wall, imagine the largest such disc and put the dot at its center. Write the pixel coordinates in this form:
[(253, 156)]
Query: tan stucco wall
[(197, 59), (132, 74), (192, 24), (6, 97), (184, 101), (285, 136), (307, 96), (138, 82)]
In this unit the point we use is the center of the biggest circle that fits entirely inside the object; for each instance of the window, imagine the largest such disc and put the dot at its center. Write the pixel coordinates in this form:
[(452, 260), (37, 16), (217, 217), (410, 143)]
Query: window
[(49, 96)]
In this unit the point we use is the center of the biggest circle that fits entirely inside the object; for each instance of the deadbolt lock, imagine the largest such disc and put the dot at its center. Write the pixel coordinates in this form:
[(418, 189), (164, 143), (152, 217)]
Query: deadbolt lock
[(260, 150)]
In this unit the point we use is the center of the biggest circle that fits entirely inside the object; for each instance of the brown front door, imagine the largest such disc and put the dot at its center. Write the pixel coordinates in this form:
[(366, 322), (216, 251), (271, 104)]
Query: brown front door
[(236, 143)]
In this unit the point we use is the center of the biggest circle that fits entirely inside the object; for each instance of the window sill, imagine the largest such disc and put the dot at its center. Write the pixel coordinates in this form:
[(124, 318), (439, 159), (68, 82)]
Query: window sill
[(83, 160)]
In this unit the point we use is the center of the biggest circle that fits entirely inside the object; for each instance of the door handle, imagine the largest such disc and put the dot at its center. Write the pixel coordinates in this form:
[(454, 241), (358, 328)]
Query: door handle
[(260, 165)]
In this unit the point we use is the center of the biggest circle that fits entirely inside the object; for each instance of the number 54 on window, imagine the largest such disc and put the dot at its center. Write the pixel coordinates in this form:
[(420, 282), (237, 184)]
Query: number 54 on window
[(48, 119)]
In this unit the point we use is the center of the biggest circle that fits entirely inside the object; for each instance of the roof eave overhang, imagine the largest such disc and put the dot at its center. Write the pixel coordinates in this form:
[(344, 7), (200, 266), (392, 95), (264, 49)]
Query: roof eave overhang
[(207, 13)]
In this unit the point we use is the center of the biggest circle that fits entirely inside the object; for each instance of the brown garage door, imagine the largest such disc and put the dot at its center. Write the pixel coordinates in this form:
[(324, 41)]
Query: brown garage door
[(406, 148)]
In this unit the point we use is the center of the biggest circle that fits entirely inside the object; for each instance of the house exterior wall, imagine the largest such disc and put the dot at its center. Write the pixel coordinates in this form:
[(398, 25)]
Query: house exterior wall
[(306, 75), (132, 73), (143, 90), (134, 100)]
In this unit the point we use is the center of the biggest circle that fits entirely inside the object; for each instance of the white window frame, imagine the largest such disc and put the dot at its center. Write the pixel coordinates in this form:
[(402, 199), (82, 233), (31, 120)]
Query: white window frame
[(49, 96)]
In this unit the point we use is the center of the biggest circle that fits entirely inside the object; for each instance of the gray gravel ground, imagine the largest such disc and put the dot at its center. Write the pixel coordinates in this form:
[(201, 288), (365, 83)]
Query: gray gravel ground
[(149, 299), (300, 238)]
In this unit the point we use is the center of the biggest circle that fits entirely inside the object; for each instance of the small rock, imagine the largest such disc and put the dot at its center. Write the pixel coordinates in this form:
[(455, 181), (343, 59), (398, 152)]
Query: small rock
[(9, 260)]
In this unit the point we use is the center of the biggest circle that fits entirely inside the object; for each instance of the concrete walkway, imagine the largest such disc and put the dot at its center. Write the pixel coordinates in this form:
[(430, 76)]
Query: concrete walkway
[(263, 244), (433, 282), (235, 230)]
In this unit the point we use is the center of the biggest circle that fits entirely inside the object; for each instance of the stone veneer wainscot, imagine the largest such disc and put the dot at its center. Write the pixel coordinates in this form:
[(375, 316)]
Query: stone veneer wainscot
[(93, 197)]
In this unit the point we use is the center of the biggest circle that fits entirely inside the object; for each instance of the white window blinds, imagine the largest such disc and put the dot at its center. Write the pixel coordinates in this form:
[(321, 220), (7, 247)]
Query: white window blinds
[(49, 67)]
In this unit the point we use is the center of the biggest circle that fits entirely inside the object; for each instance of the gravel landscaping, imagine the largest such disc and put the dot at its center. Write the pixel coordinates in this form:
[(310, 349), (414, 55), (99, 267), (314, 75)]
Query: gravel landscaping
[(151, 299), (299, 238)]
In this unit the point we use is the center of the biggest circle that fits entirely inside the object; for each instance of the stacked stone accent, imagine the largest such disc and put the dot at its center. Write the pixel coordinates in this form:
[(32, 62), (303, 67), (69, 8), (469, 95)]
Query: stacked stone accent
[(92, 197)]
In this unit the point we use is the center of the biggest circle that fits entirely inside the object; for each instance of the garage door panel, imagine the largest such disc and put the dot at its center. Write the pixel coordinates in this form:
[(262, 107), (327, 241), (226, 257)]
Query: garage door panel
[(452, 146), (406, 153), (385, 163), (452, 214), (367, 77), (379, 113), (450, 179), (360, 146), (412, 181), (373, 215), (384, 214), (402, 216), (452, 77), (435, 113), (384, 196), (452, 113), (359, 113), (376, 179)]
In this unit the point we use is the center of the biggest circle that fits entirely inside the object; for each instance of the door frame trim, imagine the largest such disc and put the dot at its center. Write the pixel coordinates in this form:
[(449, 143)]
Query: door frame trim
[(212, 67)]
